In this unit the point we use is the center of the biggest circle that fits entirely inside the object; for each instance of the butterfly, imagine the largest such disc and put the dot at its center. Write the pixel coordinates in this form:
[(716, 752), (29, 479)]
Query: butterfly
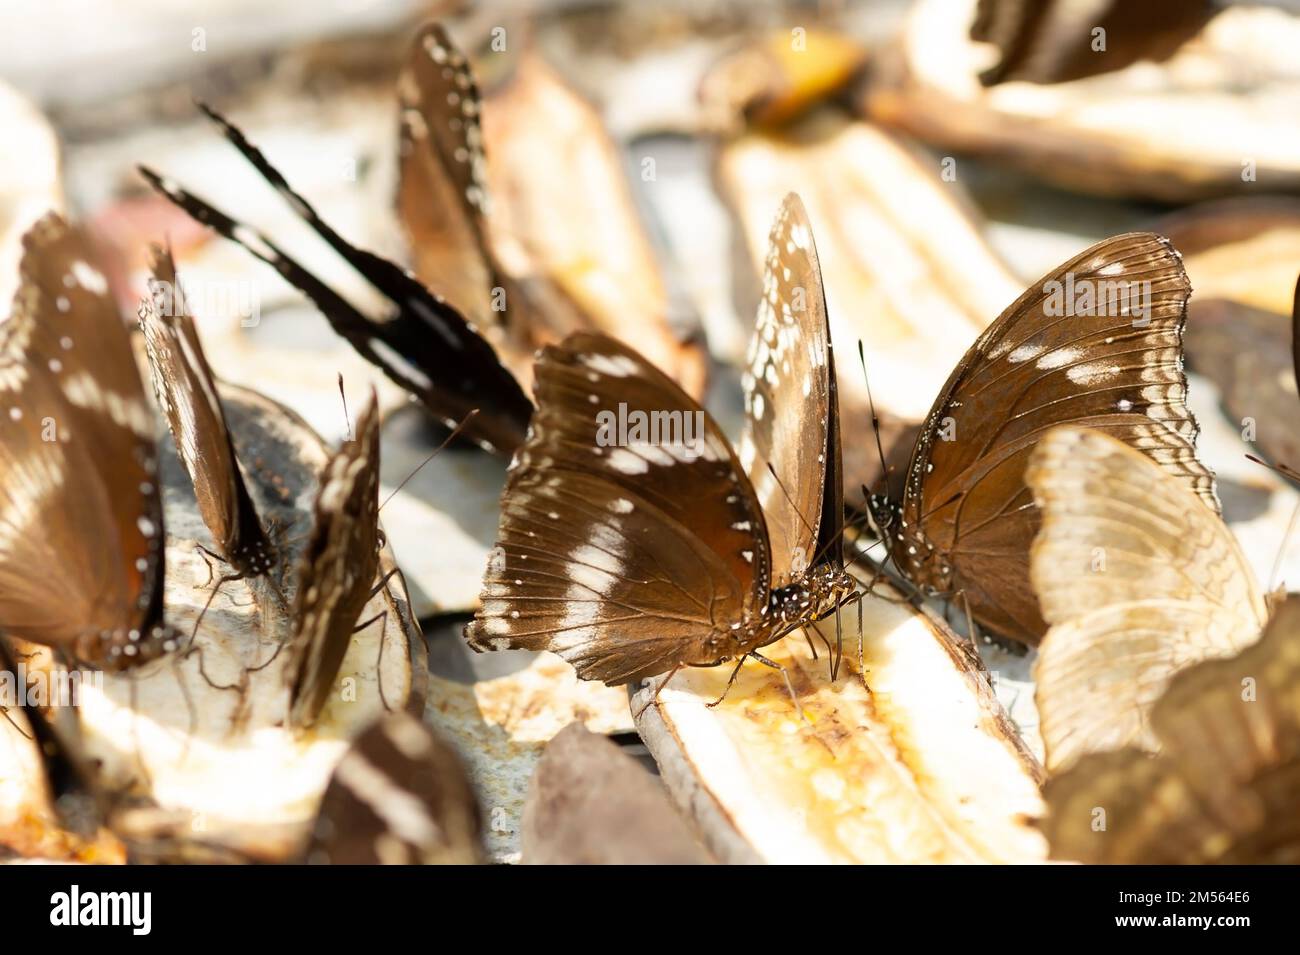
[(632, 541), (1138, 579), (399, 796), (418, 340), (1096, 343), (1051, 41), (186, 392), (1223, 787), (336, 572), (81, 539)]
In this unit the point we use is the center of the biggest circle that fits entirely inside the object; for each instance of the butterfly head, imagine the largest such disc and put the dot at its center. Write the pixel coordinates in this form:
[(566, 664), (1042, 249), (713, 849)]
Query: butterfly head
[(886, 514), (257, 559), (813, 598)]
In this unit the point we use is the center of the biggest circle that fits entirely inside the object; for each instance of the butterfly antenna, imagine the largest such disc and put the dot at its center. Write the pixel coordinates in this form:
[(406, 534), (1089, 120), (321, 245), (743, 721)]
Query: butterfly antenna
[(790, 500), (1285, 470), (436, 451), (875, 418), (347, 420)]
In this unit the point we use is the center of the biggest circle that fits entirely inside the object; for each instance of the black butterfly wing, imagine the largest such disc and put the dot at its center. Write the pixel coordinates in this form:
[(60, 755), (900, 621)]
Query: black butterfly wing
[(442, 190), (187, 394), (624, 555), (81, 524), (420, 341), (399, 796), (336, 573), (792, 414), (969, 517)]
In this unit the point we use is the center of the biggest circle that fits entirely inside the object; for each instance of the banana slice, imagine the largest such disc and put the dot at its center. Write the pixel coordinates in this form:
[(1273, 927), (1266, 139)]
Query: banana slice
[(923, 767)]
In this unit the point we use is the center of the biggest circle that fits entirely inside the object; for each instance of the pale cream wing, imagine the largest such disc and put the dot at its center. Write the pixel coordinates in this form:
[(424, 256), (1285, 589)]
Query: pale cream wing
[(1138, 578), (1223, 787)]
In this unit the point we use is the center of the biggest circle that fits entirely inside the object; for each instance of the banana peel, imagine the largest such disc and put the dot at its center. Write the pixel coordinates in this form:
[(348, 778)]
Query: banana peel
[(582, 251), (925, 767)]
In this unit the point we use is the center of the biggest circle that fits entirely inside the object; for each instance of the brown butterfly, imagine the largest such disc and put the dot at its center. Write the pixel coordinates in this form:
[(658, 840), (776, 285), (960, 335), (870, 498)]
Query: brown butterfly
[(1138, 579), (1223, 787), (632, 553), (399, 796), (1097, 343), (81, 539), (187, 394), (442, 195), (336, 572)]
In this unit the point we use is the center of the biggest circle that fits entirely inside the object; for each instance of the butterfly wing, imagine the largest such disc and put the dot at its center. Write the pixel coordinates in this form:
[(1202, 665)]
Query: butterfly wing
[(1295, 334), (399, 796), (625, 553), (1138, 579), (442, 193), (187, 394), (81, 526), (792, 415), (336, 573), (1221, 790), (1053, 41), (419, 341), (1050, 359)]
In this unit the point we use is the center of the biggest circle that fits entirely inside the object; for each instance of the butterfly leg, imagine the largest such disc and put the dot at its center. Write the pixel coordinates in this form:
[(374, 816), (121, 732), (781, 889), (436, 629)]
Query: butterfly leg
[(202, 613), (208, 557), (654, 699), (382, 616), (730, 680), (839, 646), (383, 582), (971, 630), (794, 697), (859, 598)]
